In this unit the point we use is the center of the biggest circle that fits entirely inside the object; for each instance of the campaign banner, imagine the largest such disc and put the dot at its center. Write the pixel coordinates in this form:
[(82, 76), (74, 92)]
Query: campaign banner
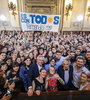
[(39, 22)]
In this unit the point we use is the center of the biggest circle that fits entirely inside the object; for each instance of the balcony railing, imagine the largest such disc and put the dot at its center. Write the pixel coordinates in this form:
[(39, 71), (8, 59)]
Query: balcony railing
[(62, 95)]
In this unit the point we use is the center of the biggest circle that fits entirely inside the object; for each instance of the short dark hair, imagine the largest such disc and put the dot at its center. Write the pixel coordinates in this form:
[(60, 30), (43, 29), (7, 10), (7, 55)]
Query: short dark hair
[(59, 51), (15, 64), (52, 59), (8, 58), (27, 58), (41, 48), (3, 63), (2, 52)]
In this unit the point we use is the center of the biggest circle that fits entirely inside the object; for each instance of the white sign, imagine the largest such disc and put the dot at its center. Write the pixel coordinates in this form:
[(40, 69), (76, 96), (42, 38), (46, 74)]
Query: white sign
[(39, 22)]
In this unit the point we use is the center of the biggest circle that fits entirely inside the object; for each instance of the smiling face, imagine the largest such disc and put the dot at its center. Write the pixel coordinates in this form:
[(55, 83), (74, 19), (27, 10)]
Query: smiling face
[(27, 62), (9, 62), (50, 53), (80, 62), (43, 73), (58, 55), (83, 78), (65, 65), (40, 61), (16, 68), (4, 68), (52, 62), (19, 60), (51, 70), (2, 56), (41, 51), (78, 52)]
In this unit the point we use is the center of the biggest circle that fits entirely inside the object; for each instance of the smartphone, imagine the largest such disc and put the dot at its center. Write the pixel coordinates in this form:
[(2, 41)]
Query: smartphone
[(8, 92)]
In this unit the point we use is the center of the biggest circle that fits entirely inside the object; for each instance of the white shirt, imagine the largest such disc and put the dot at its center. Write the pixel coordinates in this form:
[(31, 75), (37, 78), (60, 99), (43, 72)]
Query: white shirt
[(39, 67), (66, 76)]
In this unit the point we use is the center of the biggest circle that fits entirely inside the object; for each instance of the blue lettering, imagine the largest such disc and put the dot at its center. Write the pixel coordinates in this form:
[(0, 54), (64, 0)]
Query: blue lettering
[(32, 18), (38, 19), (56, 20), (44, 19), (24, 18)]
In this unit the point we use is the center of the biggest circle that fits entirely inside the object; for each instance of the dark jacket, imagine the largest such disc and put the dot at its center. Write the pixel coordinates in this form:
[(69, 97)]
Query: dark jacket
[(33, 73), (69, 85), (23, 73)]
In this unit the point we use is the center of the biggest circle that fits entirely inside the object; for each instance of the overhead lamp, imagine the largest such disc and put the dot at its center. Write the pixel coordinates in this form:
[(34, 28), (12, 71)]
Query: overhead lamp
[(80, 18), (2, 18)]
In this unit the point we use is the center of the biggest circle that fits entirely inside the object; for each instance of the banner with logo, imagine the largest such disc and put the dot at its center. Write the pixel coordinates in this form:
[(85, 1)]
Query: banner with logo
[(39, 22)]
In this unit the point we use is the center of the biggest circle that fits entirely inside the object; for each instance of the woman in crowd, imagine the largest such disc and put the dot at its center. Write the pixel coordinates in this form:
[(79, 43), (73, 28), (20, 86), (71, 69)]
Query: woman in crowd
[(23, 73), (39, 84), (40, 51), (85, 84), (52, 80), (4, 68), (31, 56), (51, 64), (49, 55), (35, 54), (18, 60), (13, 76), (9, 63)]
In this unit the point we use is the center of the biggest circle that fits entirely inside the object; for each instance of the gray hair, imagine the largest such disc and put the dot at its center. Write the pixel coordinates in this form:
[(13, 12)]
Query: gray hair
[(40, 56), (64, 61)]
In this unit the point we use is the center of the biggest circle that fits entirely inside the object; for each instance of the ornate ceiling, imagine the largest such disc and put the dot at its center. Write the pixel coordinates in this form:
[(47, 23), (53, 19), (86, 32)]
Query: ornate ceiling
[(41, 6)]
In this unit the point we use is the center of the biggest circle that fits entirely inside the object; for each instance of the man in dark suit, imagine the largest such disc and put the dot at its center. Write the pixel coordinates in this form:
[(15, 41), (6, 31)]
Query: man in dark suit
[(87, 64), (34, 72), (66, 73)]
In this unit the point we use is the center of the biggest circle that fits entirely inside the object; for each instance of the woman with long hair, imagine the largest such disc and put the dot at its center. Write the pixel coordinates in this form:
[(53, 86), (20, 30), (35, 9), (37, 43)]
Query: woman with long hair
[(13, 76), (84, 79), (53, 77), (39, 84)]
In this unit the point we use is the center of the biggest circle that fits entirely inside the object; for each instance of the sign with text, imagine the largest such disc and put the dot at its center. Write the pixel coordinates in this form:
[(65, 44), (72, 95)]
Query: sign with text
[(39, 22)]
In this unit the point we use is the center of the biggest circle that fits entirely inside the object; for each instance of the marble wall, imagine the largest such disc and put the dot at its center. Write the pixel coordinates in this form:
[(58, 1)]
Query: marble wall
[(73, 24), (4, 11)]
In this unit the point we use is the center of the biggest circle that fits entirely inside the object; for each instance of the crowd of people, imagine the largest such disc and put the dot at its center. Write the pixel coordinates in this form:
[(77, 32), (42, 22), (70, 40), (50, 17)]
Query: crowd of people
[(40, 62)]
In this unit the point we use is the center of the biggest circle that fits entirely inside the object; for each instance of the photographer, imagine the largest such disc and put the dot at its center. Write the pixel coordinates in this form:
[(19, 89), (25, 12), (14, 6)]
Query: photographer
[(13, 77), (5, 89)]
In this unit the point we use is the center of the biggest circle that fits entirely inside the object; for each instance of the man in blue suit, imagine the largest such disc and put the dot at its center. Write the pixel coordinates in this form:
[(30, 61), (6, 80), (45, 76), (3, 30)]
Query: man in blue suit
[(34, 72)]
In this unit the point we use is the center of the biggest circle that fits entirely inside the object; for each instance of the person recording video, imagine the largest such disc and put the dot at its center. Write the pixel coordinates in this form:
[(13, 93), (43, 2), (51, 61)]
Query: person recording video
[(5, 89)]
